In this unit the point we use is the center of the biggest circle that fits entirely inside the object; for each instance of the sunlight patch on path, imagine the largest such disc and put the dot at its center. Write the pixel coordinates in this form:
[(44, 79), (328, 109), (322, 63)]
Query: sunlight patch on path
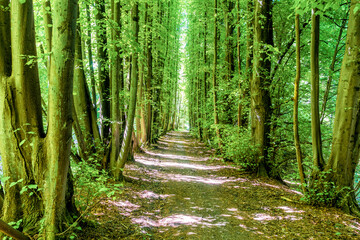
[(207, 180), (177, 220), (155, 162), (175, 157)]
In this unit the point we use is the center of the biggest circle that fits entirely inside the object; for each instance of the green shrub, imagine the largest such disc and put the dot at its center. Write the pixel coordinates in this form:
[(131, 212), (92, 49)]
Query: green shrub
[(321, 191), (237, 147), (91, 184)]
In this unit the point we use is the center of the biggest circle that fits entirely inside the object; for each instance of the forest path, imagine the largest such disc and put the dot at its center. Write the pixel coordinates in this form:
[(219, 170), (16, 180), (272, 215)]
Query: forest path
[(176, 190)]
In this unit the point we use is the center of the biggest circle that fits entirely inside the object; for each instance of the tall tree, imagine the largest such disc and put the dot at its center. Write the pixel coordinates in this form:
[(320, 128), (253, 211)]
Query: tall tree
[(296, 103), (315, 114), (117, 167), (30, 156), (214, 82), (103, 69), (261, 108), (345, 150), (116, 81)]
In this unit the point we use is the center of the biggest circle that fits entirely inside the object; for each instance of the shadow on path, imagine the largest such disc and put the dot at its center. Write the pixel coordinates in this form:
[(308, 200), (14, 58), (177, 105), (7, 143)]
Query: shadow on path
[(176, 190)]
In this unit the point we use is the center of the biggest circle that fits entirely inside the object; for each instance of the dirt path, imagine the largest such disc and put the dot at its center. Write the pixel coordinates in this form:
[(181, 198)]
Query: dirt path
[(177, 191)]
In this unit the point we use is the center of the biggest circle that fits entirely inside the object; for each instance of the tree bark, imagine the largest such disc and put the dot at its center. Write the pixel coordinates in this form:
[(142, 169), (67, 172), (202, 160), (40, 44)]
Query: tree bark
[(296, 104), (216, 116), (91, 63), (103, 69), (345, 148), (331, 71), (28, 155), (85, 121), (261, 109), (125, 146), (116, 79), (318, 160)]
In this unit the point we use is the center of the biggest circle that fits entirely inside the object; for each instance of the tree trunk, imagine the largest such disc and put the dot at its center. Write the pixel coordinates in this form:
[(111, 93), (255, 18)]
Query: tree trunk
[(116, 79), (125, 146), (345, 149), (91, 64), (216, 116), (149, 77), (315, 117), (85, 121), (331, 71), (249, 64), (34, 158), (296, 104), (261, 108), (103, 69)]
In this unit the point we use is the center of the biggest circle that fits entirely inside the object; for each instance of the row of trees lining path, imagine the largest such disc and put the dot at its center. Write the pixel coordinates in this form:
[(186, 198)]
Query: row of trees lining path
[(94, 81)]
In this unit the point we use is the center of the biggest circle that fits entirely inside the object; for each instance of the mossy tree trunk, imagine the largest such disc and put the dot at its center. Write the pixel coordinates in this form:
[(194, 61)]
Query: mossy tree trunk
[(29, 156), (296, 104), (118, 166), (214, 81), (318, 160), (103, 69), (116, 82), (261, 108), (85, 120), (345, 148)]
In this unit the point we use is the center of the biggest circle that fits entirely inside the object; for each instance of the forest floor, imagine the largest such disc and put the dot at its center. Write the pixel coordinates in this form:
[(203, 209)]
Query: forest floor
[(178, 190)]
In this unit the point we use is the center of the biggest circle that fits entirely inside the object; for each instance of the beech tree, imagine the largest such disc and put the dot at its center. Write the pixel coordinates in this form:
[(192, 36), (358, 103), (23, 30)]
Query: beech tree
[(345, 150), (31, 156), (261, 108)]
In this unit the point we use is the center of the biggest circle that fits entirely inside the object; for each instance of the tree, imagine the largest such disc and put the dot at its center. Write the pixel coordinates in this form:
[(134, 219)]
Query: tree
[(214, 82), (315, 117), (296, 103), (345, 150), (261, 108), (117, 167), (37, 158)]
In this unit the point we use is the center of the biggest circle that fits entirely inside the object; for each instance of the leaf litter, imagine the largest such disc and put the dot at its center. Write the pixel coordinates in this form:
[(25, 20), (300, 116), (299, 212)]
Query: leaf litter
[(177, 189)]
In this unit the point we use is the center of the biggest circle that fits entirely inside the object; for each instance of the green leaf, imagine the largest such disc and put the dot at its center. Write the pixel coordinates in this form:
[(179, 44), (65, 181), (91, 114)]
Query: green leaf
[(356, 8), (22, 142), (4, 179), (23, 189), (22, 1), (32, 186), (13, 184)]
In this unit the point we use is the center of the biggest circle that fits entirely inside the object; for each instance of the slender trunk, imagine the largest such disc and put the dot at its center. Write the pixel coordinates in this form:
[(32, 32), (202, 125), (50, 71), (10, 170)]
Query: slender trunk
[(331, 71), (296, 105), (91, 64), (60, 114), (12, 232), (205, 79), (249, 63), (238, 36), (46, 9), (103, 69), (85, 123), (315, 118), (216, 116), (261, 109), (125, 146), (116, 75), (149, 77)]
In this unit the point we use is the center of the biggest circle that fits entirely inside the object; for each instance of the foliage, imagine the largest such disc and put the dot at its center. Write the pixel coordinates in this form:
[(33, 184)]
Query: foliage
[(238, 147), (92, 184), (321, 192)]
